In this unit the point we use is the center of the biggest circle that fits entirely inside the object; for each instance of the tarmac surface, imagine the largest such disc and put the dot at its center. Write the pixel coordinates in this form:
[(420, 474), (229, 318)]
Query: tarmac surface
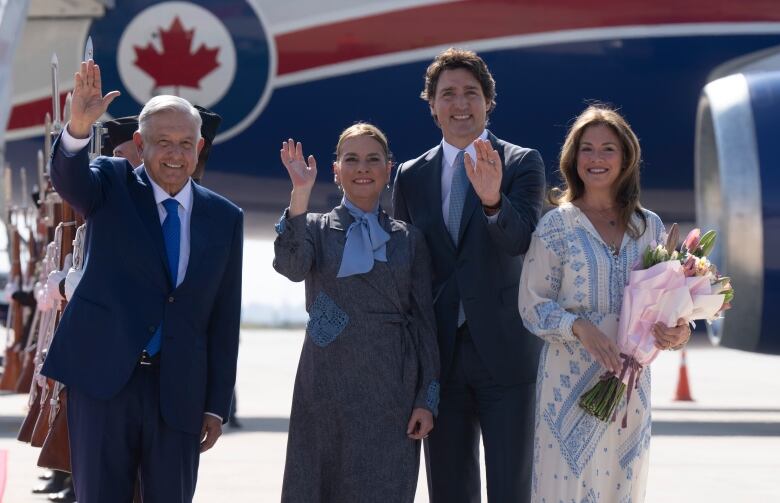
[(723, 447)]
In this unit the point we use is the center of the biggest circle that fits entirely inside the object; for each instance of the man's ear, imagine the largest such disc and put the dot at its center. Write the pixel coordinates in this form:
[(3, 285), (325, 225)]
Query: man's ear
[(139, 143), (201, 142)]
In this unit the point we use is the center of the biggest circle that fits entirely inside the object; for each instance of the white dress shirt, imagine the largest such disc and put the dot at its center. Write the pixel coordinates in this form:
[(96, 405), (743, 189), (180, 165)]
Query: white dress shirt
[(184, 197), (450, 152)]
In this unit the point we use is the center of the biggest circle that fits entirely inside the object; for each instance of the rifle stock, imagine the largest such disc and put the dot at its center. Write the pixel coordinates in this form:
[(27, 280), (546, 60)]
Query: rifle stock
[(45, 329), (55, 452), (29, 354), (12, 361), (26, 431)]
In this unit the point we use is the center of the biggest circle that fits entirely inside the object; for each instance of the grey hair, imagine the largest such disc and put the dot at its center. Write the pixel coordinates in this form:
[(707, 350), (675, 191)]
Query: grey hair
[(168, 103)]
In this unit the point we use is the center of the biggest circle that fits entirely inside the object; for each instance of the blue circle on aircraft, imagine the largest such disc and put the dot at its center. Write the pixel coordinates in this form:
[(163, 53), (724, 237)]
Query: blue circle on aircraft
[(240, 102)]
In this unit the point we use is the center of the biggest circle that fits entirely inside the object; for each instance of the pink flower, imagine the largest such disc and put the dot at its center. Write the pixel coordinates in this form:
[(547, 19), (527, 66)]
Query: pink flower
[(692, 240), (689, 267)]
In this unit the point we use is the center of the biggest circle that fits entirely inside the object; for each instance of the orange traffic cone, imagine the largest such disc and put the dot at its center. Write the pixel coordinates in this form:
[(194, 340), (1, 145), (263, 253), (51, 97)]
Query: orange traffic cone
[(683, 393)]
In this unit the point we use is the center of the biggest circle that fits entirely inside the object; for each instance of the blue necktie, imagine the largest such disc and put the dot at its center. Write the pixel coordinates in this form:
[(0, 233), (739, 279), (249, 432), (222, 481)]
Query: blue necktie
[(460, 184), (171, 229)]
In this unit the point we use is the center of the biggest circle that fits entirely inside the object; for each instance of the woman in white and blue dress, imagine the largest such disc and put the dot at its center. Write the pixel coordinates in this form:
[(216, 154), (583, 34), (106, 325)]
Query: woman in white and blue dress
[(571, 292), (367, 384)]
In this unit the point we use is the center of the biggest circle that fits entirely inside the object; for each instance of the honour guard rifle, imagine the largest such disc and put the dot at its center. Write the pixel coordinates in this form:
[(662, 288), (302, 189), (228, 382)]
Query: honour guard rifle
[(55, 452), (24, 383), (15, 327)]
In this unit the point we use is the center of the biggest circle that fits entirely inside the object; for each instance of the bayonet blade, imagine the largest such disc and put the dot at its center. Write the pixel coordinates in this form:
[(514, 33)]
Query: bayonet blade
[(68, 104), (8, 190), (41, 175), (47, 130), (88, 50), (23, 183), (55, 92)]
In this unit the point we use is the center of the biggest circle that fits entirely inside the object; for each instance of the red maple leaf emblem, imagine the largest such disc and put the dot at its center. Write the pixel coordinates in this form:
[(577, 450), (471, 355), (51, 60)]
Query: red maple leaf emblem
[(176, 65)]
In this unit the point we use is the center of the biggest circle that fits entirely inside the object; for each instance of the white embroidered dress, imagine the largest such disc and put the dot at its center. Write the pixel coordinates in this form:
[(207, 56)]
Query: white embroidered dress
[(570, 272)]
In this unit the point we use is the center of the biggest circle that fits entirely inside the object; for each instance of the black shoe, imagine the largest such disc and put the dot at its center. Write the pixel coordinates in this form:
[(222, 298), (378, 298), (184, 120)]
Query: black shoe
[(47, 475), (54, 485), (65, 496)]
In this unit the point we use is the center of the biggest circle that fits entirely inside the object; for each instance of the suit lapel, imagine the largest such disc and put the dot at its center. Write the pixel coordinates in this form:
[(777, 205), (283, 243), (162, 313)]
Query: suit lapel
[(472, 201), (143, 197), (430, 181)]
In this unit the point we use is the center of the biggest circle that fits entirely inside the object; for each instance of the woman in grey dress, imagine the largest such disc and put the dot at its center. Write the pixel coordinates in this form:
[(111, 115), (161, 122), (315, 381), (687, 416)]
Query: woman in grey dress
[(366, 389)]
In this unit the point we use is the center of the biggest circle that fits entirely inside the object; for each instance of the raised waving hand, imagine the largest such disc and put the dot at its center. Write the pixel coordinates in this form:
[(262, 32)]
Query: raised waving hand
[(486, 175), (303, 174), (88, 101)]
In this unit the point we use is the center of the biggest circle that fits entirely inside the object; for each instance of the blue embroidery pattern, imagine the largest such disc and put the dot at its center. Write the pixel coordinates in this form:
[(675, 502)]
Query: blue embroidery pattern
[(326, 320), (577, 433), (432, 398), (577, 458)]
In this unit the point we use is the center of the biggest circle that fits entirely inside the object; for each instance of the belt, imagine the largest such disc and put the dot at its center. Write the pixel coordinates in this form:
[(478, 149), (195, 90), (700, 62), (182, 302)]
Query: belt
[(146, 360)]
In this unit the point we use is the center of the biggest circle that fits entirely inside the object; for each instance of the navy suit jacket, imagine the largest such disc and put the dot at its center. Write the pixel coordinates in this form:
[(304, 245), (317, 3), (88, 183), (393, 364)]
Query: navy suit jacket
[(484, 269), (126, 292)]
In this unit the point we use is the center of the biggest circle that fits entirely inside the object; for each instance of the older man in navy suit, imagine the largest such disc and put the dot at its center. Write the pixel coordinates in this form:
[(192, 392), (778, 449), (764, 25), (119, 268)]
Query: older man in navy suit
[(477, 200), (148, 343)]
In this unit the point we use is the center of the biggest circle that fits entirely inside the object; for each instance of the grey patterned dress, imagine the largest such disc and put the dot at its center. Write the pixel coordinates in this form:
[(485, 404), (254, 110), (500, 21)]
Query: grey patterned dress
[(369, 358)]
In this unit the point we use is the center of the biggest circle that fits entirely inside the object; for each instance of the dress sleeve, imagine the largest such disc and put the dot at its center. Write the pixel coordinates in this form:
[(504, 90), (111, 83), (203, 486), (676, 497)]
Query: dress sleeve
[(658, 225), (425, 321), (294, 246), (540, 283)]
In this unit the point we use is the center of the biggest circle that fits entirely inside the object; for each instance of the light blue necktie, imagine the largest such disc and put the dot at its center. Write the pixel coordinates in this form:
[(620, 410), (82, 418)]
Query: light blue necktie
[(366, 242), (460, 184), (171, 229)]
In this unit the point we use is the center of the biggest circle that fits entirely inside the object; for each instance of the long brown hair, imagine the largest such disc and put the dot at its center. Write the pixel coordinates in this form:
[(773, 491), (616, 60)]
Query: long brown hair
[(627, 184)]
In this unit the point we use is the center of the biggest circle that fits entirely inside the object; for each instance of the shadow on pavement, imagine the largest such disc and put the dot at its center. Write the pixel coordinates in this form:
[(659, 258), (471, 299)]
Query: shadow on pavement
[(715, 409), (9, 426), (260, 424), (716, 429)]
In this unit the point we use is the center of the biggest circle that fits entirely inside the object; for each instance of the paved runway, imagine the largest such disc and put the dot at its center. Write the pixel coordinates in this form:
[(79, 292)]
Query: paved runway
[(724, 447)]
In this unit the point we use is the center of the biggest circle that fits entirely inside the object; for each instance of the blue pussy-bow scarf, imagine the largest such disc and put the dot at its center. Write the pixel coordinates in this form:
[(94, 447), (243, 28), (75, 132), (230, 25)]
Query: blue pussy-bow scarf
[(366, 242)]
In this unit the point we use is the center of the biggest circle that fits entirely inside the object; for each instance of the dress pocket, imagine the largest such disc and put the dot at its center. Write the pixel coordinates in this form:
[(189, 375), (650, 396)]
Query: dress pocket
[(326, 320)]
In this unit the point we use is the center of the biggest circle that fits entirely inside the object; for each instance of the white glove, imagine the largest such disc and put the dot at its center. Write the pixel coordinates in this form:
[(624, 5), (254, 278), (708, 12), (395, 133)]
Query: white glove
[(39, 291), (54, 280), (72, 281), (44, 301), (10, 288)]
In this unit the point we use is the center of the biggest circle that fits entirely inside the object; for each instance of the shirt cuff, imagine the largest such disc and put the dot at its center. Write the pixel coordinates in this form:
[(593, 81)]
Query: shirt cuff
[(215, 415), (72, 145), (493, 218)]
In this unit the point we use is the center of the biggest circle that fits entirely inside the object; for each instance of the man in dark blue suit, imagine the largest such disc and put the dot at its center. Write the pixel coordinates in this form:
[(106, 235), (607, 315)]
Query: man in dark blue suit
[(147, 346), (477, 200)]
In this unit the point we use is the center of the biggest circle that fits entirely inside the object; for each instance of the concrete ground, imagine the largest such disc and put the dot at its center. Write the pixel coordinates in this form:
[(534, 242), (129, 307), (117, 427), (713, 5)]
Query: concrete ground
[(724, 447)]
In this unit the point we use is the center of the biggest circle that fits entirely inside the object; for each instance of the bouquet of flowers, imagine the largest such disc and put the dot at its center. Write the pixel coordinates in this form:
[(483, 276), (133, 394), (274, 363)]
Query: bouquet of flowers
[(666, 286)]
